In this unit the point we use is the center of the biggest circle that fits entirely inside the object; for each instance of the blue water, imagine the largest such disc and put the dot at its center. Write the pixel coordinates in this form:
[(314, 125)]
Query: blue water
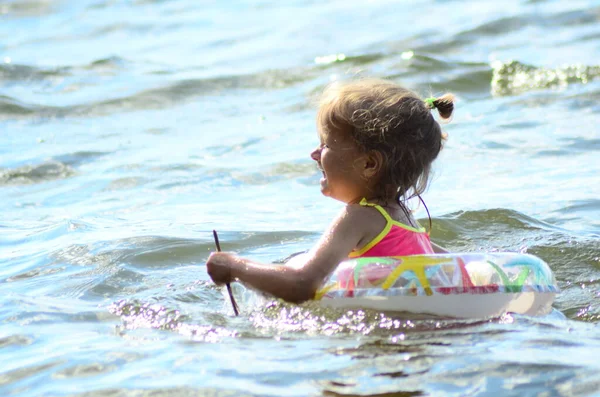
[(130, 130)]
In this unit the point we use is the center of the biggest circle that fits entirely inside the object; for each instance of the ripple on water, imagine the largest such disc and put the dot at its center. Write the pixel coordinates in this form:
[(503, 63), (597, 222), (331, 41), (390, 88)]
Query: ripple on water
[(84, 370), (40, 173), (58, 167), (165, 392), (27, 8), (15, 340), (13, 376), (12, 72)]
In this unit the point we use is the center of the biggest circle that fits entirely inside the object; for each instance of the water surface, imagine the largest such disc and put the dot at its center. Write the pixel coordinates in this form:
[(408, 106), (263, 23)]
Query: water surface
[(132, 129)]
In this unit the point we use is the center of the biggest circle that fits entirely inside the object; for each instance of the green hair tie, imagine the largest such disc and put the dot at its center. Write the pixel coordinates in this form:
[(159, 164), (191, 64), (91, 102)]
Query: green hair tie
[(430, 102)]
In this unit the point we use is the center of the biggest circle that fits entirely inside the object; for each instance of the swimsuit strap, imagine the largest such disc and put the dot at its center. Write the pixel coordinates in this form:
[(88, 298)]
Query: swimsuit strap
[(379, 208), (388, 218), (389, 223)]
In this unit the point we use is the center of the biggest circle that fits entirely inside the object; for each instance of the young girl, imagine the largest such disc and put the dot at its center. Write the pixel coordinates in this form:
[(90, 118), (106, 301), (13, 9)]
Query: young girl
[(377, 143)]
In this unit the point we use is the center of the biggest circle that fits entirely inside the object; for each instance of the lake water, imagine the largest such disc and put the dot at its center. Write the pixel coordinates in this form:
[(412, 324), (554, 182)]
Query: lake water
[(129, 130)]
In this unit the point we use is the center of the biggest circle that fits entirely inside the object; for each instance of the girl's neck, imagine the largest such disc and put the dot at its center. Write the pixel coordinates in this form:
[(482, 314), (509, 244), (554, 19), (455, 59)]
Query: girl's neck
[(389, 202), (403, 213)]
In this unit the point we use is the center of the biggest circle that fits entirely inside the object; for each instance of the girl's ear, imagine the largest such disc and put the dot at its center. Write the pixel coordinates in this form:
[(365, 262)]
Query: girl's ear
[(373, 164)]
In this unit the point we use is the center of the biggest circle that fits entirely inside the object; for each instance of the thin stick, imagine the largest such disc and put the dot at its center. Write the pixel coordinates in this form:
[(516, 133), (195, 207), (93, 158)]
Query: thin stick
[(216, 236), (233, 303)]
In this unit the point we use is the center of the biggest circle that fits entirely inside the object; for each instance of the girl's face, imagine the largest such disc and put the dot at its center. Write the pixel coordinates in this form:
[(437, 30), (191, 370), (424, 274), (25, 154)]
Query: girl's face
[(342, 165)]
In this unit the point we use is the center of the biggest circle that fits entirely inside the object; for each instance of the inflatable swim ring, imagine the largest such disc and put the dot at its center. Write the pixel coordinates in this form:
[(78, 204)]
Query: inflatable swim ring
[(463, 285)]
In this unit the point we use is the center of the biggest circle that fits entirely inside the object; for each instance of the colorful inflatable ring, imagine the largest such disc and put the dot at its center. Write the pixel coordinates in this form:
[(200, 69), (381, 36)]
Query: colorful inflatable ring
[(464, 285)]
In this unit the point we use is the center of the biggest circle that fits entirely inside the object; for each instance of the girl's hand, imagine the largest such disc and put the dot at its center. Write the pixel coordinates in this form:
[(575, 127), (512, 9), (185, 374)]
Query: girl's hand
[(219, 266)]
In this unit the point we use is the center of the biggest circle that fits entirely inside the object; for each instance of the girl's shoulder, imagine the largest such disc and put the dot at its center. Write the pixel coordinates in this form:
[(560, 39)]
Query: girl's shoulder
[(378, 216), (366, 221), (364, 216), (358, 211)]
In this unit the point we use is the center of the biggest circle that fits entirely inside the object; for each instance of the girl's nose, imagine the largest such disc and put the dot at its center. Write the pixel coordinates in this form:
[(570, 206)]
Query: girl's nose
[(316, 154)]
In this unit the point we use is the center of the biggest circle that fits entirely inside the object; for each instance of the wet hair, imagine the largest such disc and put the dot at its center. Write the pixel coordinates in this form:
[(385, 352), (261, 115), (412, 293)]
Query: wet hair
[(384, 117)]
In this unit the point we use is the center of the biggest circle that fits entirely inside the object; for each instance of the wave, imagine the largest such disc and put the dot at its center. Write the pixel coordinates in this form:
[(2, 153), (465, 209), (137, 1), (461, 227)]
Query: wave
[(149, 252), (468, 78), (156, 98), (506, 229)]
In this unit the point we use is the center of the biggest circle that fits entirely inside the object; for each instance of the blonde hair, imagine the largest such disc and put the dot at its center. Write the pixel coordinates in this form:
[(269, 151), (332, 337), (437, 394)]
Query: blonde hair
[(384, 117)]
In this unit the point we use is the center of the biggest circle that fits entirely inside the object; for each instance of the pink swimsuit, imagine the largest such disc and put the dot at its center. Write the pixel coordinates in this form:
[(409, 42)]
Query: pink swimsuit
[(396, 239)]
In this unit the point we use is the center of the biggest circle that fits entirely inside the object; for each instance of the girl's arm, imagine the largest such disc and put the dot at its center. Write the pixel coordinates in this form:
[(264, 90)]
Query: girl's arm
[(295, 284)]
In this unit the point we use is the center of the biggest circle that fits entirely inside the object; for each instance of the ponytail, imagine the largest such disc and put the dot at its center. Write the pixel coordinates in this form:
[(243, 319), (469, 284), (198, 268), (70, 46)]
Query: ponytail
[(443, 104)]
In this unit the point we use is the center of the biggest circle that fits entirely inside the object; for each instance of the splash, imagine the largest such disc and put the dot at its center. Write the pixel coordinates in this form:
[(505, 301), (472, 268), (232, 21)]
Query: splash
[(280, 318), (513, 77), (143, 315)]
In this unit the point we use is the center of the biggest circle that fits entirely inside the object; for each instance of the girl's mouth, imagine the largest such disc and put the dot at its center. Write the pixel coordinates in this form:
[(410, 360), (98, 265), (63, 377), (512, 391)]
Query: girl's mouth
[(321, 169), (323, 179)]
